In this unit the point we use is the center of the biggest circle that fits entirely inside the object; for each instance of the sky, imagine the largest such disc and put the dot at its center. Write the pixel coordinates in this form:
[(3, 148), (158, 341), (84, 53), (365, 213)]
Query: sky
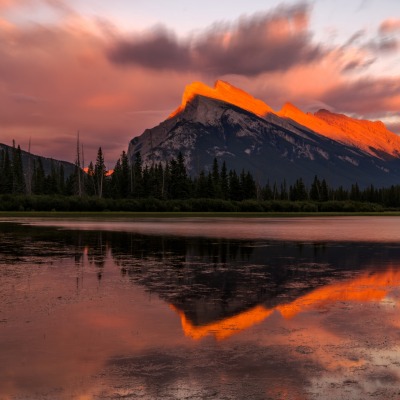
[(111, 69)]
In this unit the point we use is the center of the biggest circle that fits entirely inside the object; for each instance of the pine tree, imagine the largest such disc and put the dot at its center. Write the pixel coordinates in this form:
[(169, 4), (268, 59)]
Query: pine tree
[(2, 177), (78, 174), (315, 191), (124, 179), (90, 184), (298, 191), (116, 179), (284, 195), (235, 192), (355, 192), (62, 179), (38, 178), (324, 191), (179, 184), (266, 192), (216, 180), (201, 186), (147, 182), (52, 186), (210, 187), (224, 182), (100, 173), (136, 178), (249, 187), (6, 173), (18, 181)]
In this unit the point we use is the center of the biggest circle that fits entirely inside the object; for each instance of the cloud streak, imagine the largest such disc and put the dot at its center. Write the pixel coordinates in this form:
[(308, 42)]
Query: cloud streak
[(274, 41), (372, 95)]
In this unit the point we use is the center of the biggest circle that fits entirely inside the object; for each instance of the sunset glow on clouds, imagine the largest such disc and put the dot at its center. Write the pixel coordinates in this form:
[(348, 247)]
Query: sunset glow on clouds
[(111, 71)]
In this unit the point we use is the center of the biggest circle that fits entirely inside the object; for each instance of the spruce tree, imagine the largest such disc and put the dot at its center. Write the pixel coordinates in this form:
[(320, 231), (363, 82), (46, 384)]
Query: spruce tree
[(234, 186), (298, 191), (90, 184), (137, 178), (6, 173), (324, 191), (179, 184), (38, 178), (116, 179), (61, 178), (216, 180), (315, 191), (201, 186), (124, 178), (100, 173), (224, 182), (267, 192), (18, 181)]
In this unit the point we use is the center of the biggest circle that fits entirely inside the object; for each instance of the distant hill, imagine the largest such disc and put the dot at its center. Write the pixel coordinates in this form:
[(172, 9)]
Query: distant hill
[(231, 125), (46, 162)]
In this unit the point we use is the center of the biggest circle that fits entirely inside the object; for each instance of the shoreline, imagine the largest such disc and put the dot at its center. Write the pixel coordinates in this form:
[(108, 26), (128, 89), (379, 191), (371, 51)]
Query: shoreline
[(189, 214)]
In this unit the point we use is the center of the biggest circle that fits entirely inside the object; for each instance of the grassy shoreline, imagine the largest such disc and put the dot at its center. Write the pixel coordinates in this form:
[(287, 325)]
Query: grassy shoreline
[(189, 214)]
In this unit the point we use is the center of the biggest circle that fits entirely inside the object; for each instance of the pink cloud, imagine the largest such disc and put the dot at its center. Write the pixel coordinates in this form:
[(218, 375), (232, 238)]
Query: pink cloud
[(364, 96), (55, 81), (389, 26)]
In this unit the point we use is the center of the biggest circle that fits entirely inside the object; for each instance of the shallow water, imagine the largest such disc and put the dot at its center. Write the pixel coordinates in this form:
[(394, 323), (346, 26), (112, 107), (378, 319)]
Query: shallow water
[(202, 309)]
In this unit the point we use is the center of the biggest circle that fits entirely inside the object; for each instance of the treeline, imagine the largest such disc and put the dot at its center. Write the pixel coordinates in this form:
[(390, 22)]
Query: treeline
[(169, 187)]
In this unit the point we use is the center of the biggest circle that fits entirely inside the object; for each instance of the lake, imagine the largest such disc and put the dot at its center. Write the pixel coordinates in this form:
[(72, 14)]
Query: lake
[(190, 308)]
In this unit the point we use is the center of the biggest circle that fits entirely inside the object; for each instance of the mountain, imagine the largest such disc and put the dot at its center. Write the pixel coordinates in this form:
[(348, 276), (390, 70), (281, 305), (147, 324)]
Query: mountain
[(371, 137), (227, 123), (46, 162)]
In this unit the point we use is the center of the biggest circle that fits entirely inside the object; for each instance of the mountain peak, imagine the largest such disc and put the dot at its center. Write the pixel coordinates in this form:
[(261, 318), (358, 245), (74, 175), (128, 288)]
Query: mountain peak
[(371, 136), (226, 92), (288, 109), (322, 111)]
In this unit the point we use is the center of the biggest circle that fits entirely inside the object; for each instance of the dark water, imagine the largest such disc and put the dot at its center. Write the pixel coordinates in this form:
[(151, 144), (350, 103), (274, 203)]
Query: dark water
[(200, 309)]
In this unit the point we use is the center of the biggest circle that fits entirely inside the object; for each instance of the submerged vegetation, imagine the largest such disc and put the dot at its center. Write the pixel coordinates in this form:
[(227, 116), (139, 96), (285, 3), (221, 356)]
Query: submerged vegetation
[(169, 187)]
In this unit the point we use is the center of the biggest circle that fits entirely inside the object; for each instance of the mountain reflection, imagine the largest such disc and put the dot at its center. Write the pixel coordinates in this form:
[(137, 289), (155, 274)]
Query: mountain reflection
[(222, 286), (367, 287)]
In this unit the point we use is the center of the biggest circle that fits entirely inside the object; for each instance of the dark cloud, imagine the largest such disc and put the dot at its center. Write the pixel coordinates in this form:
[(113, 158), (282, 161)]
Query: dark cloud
[(368, 95), (383, 45), (395, 127), (159, 49), (355, 38), (358, 64), (274, 41)]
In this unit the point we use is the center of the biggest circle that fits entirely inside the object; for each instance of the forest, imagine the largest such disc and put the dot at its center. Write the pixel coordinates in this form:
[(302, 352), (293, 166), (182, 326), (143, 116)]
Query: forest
[(169, 187)]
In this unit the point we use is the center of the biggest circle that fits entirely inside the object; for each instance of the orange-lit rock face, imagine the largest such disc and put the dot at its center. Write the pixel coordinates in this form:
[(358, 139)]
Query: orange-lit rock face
[(309, 121), (225, 92), (367, 135), (374, 287), (371, 137)]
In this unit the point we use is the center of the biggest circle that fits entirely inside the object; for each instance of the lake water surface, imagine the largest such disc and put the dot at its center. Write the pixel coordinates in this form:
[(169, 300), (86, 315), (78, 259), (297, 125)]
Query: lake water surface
[(213, 308)]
